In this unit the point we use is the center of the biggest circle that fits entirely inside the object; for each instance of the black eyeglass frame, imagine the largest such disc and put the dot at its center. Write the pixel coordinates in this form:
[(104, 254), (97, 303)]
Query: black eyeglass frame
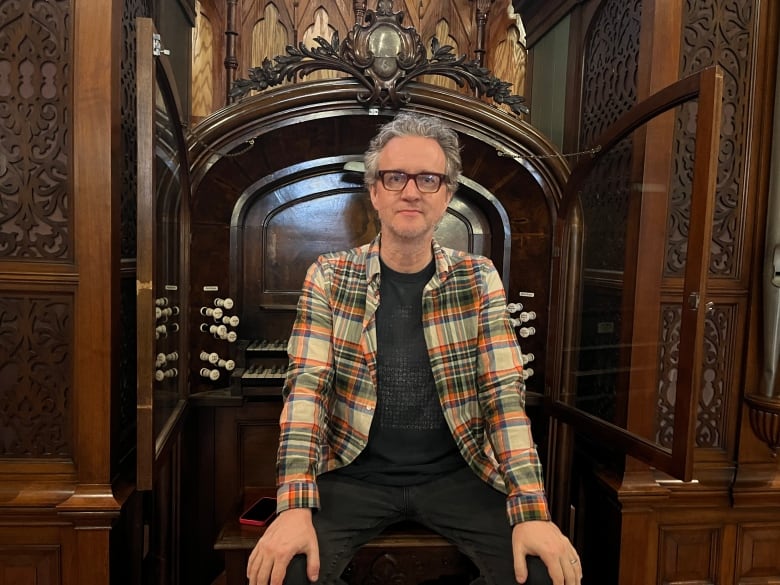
[(409, 176)]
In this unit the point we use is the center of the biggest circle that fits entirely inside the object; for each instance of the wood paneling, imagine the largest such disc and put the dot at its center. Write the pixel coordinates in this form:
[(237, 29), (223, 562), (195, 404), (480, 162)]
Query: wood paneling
[(34, 564), (758, 559), (689, 554), (56, 499)]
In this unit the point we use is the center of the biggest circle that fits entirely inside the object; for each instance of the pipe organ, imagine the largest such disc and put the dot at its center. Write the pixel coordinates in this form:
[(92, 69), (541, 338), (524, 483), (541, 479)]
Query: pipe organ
[(274, 180)]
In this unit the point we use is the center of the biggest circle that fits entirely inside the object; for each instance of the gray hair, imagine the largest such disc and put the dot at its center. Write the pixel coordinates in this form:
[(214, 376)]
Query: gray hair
[(411, 124)]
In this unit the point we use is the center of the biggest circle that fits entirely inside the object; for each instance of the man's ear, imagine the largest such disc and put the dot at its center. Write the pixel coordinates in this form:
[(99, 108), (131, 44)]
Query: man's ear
[(372, 195)]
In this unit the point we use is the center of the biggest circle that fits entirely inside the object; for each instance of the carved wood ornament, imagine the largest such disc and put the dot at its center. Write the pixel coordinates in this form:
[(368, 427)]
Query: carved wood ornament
[(384, 56)]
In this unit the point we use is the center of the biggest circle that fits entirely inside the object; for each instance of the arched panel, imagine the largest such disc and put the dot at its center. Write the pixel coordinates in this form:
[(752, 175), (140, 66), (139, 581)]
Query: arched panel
[(271, 193)]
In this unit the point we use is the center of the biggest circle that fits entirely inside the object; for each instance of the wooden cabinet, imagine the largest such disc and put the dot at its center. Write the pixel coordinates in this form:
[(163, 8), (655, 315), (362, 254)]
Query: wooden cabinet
[(59, 291), (659, 529)]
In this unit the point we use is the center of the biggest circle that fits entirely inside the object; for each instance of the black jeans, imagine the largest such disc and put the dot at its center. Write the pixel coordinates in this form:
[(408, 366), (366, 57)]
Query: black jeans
[(459, 506)]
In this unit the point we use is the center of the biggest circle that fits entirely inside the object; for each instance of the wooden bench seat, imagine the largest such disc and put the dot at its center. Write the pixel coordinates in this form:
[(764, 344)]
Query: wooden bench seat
[(405, 554)]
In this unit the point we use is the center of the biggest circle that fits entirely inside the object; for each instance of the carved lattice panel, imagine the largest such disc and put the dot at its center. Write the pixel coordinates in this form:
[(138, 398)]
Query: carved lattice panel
[(605, 199), (132, 10), (610, 66), (36, 337), (719, 32), (609, 90), (720, 325), (126, 401), (667, 361), (680, 189), (35, 131)]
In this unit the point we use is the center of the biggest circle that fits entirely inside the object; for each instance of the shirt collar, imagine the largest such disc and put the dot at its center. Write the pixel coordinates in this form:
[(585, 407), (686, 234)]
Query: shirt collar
[(443, 265)]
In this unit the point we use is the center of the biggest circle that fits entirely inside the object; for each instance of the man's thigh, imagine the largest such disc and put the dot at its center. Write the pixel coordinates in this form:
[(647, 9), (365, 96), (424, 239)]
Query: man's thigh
[(351, 513), (472, 514)]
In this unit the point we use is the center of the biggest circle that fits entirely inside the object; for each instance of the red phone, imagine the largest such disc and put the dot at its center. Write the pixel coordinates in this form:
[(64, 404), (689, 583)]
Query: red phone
[(261, 513)]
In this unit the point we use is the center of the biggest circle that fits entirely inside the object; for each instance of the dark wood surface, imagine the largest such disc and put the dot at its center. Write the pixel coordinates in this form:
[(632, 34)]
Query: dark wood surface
[(406, 553)]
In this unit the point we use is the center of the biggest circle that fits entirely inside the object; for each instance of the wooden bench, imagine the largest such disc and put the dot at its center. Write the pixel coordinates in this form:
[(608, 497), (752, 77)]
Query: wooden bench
[(405, 554)]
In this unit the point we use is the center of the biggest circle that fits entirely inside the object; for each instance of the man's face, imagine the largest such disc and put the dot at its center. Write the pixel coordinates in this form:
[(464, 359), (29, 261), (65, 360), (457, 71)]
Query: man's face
[(410, 214)]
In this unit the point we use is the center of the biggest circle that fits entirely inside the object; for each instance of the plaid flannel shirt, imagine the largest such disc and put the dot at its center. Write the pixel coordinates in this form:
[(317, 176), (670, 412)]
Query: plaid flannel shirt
[(330, 389)]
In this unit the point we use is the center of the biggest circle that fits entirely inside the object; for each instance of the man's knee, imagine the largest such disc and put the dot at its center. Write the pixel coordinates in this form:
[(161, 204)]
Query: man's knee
[(296, 571), (537, 572)]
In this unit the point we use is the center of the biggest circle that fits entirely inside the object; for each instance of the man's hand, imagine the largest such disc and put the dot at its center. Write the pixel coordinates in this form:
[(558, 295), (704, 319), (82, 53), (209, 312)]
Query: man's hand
[(291, 533), (545, 540)]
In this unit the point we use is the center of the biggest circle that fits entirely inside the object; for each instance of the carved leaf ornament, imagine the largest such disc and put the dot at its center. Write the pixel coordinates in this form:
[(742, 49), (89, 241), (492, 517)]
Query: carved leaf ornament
[(383, 56)]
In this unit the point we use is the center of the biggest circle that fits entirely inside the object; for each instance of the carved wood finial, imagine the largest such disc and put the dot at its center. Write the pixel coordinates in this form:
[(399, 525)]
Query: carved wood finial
[(359, 8), (385, 8), (483, 11), (231, 61)]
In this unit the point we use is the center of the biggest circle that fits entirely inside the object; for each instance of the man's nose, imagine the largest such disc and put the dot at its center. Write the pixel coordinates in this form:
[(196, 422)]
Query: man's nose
[(410, 190)]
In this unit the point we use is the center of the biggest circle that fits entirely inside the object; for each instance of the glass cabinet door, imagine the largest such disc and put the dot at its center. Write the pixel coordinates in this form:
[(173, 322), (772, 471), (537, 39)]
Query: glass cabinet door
[(163, 193), (629, 334)]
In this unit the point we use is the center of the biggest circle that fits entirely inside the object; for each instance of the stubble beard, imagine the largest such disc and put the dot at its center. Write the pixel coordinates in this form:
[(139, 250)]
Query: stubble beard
[(410, 234)]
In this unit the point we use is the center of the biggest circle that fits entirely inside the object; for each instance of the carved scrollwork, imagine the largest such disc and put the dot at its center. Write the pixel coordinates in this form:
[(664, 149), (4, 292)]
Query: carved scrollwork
[(669, 361), (383, 56), (719, 34), (386, 570), (35, 126), (129, 126), (36, 337)]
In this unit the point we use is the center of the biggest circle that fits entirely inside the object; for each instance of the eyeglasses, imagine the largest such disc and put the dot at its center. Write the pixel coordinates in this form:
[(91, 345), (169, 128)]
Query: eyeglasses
[(397, 180)]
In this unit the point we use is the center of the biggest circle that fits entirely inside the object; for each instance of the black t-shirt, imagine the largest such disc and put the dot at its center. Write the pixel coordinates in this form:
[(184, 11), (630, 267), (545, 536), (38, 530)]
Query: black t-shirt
[(409, 442)]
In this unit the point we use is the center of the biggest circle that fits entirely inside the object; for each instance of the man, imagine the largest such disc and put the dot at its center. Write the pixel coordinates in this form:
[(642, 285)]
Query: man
[(404, 398)]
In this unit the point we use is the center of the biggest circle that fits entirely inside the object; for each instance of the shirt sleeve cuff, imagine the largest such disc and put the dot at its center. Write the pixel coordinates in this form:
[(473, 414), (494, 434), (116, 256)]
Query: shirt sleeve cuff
[(527, 507), (297, 495)]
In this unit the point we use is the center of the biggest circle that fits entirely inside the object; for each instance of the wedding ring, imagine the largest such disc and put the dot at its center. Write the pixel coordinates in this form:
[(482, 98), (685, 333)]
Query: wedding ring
[(573, 561)]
